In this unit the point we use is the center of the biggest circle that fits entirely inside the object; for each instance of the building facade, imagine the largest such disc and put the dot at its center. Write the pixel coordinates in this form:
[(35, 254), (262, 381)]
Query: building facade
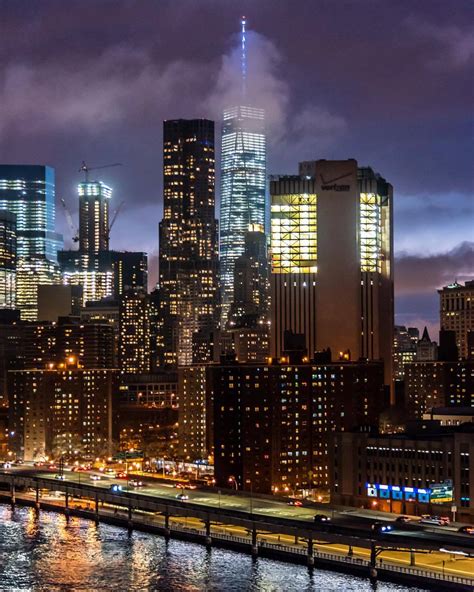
[(195, 414), (134, 332), (438, 384), (425, 470), (94, 198), (404, 349), (8, 258), (272, 422), (188, 255), (62, 410), (28, 192), (332, 246), (243, 185), (457, 313)]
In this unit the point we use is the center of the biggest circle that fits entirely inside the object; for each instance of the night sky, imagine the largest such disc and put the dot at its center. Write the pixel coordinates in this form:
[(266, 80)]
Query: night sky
[(386, 82)]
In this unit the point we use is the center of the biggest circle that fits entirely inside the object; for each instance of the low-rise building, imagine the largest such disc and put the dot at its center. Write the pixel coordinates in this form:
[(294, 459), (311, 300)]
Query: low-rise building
[(424, 470)]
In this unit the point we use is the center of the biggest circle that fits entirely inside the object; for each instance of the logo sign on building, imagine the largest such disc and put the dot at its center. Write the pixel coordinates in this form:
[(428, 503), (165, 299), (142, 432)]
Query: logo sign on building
[(441, 493)]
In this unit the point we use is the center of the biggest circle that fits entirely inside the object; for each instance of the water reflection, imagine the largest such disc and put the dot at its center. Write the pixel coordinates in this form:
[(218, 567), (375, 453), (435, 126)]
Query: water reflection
[(55, 554)]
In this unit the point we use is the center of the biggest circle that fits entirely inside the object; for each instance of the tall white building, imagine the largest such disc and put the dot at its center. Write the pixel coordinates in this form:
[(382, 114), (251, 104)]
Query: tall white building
[(243, 182)]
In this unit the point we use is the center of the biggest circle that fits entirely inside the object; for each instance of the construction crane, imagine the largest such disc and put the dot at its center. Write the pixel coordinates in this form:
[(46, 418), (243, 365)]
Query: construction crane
[(114, 218), (85, 169), (74, 230)]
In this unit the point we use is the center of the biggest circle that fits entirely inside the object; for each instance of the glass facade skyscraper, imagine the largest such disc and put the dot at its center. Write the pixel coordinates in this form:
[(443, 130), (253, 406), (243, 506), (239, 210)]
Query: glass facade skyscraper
[(243, 180), (28, 192), (7, 259)]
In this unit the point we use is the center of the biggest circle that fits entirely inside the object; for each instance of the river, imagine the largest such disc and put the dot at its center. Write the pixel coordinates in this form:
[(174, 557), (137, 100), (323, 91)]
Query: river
[(51, 554)]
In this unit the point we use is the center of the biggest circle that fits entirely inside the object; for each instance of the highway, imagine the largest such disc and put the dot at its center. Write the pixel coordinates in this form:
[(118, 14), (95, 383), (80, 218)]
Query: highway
[(351, 521), (274, 522)]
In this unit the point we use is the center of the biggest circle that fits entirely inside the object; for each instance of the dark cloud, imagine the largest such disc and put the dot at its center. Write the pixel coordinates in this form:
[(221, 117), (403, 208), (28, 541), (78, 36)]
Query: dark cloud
[(387, 83), (417, 274), (417, 279)]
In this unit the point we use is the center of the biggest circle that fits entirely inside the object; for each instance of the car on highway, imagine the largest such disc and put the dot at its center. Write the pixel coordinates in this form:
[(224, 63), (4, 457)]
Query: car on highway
[(136, 483), (60, 477), (381, 527), (466, 530), (121, 475), (115, 488), (96, 477), (294, 502), (403, 519), (321, 519), (434, 520), (182, 497)]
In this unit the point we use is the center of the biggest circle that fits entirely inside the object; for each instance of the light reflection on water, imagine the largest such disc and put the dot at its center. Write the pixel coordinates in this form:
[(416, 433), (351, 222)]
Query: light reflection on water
[(52, 554)]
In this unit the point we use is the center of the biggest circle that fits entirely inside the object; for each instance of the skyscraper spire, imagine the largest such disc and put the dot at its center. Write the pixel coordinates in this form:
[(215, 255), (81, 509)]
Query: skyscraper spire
[(243, 56)]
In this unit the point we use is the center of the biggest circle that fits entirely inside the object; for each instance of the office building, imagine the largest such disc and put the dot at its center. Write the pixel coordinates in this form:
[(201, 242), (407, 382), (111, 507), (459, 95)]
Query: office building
[(426, 350), (243, 180), (134, 333), (96, 285), (94, 198), (8, 257), (32, 272), (422, 471), (457, 313), (102, 273), (130, 271), (188, 256), (272, 421), (28, 191), (62, 410), (438, 384), (249, 317), (294, 261), (404, 349), (332, 261), (58, 300)]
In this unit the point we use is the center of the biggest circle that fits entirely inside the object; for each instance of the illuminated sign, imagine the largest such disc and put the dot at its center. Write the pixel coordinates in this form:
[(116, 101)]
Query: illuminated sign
[(396, 492), (441, 493), (335, 187)]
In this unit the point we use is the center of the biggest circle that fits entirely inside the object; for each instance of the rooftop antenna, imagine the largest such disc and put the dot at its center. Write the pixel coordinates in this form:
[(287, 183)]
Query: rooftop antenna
[(243, 55)]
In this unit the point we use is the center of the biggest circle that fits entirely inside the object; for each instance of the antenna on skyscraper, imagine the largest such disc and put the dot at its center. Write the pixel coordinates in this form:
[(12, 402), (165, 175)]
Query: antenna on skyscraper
[(243, 55)]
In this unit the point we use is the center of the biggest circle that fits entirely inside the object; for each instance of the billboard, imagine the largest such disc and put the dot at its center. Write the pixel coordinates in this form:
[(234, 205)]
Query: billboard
[(441, 493)]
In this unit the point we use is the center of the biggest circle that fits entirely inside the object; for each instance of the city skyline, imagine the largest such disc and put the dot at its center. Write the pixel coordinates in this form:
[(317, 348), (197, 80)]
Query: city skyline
[(309, 113)]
